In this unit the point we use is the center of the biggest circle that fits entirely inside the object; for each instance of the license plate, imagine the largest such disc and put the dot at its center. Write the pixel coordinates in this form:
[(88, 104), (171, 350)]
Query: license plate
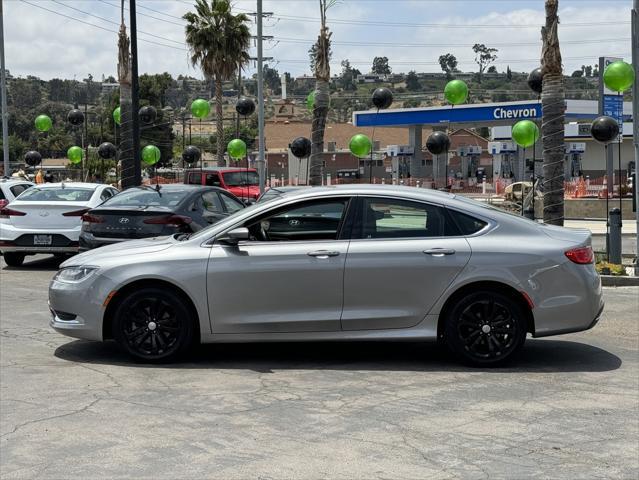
[(42, 239)]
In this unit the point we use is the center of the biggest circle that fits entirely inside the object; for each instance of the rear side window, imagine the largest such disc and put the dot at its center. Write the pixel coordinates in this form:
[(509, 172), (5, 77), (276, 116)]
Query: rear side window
[(2, 197), (211, 202), (466, 224), (231, 204), (18, 189), (194, 179)]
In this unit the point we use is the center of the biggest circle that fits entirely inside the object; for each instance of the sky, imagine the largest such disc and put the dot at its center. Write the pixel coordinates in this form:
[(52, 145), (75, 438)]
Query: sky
[(72, 38)]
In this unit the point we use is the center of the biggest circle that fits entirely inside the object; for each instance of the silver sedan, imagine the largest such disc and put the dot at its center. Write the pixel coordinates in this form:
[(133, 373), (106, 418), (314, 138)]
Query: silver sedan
[(353, 263)]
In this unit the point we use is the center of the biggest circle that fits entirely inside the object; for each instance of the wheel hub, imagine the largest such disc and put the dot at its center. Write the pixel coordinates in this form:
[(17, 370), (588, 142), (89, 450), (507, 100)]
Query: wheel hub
[(485, 329), (152, 326)]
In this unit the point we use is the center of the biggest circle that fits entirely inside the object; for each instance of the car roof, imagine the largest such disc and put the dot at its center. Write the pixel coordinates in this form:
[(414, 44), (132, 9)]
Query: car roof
[(222, 169), (177, 187), (11, 181)]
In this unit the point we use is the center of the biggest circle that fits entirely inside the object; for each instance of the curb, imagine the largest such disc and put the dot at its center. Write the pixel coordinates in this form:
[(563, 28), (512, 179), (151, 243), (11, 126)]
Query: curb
[(619, 281)]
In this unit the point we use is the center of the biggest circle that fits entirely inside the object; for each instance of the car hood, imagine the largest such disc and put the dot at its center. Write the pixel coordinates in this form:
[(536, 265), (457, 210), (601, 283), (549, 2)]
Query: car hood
[(116, 250)]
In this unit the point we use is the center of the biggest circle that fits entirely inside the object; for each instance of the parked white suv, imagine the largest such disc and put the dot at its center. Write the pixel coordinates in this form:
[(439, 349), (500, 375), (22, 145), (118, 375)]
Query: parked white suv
[(10, 189)]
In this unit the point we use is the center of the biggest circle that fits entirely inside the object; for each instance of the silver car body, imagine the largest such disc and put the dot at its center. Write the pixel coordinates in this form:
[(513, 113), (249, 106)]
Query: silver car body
[(367, 289)]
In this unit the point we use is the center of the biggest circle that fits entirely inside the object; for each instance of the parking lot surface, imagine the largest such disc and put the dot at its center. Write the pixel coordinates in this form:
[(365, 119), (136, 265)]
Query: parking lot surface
[(568, 408)]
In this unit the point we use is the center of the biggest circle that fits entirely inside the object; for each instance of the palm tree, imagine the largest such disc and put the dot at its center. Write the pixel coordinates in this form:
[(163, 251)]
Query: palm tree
[(218, 43), (126, 130), (553, 99), (320, 110)]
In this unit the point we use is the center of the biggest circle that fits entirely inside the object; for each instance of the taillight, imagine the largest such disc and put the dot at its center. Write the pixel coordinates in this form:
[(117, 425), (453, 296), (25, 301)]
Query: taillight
[(90, 218), (170, 220), (76, 213), (581, 255), (7, 212), (3, 203)]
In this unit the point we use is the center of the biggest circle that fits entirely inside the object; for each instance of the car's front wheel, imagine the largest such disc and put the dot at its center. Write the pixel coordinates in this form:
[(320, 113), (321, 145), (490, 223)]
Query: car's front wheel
[(153, 325), (13, 259), (486, 328)]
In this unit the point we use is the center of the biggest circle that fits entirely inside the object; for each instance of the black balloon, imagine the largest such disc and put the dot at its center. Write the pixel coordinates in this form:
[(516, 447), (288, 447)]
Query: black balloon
[(438, 143), (107, 150), (147, 114), (245, 106), (604, 129), (535, 80), (75, 117), (32, 158), (382, 98), (191, 154), (301, 147)]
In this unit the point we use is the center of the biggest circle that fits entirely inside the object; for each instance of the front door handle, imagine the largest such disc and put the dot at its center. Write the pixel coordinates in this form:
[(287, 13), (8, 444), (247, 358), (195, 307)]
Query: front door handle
[(439, 252), (322, 254)]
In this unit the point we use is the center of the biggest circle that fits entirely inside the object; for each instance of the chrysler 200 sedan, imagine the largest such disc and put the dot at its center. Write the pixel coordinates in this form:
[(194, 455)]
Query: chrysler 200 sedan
[(338, 263)]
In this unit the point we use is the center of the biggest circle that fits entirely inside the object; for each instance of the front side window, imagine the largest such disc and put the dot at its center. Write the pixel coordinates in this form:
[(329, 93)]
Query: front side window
[(194, 179), (241, 179), (212, 180), (393, 218), (317, 220)]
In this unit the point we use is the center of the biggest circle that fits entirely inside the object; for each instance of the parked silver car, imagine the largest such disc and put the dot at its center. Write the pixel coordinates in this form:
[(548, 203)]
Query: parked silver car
[(338, 263)]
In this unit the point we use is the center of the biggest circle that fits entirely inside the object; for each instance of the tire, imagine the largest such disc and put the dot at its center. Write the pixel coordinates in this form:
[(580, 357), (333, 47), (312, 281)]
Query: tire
[(486, 328), (153, 325), (13, 259)]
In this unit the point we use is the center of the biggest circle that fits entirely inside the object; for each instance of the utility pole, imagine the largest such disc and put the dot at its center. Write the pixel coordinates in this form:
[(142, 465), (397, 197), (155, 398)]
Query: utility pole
[(635, 115), (135, 97), (261, 167), (3, 88)]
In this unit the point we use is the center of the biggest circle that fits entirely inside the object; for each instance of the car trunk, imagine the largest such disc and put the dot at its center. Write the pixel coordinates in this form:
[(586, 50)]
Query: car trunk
[(47, 215), (578, 236), (127, 222)]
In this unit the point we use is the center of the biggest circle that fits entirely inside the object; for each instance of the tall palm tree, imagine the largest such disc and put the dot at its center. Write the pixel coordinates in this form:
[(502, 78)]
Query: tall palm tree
[(322, 96), (218, 43), (553, 100), (127, 170)]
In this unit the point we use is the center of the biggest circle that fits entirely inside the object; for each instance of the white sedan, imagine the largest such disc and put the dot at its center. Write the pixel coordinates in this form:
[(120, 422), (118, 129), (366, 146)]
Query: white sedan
[(47, 219)]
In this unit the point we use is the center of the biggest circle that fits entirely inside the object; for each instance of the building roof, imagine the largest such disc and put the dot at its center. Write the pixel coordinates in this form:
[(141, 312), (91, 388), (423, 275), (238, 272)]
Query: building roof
[(279, 135)]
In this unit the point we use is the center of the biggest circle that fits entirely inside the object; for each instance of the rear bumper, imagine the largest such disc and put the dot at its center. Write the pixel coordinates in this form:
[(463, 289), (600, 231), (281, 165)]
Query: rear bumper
[(73, 248), (572, 329), (14, 239)]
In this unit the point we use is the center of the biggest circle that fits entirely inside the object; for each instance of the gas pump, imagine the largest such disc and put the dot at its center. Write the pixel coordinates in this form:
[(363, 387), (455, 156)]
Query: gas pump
[(574, 156), (503, 158)]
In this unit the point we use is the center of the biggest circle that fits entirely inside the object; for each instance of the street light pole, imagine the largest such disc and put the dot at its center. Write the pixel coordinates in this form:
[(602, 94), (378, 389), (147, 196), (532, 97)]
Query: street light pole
[(3, 88), (135, 97), (635, 115), (261, 167)]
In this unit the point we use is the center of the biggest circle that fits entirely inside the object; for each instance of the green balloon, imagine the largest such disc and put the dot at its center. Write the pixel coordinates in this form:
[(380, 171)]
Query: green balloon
[(456, 92), (236, 148), (200, 108), (43, 123), (619, 76), (310, 101), (151, 155), (117, 118), (360, 145), (525, 133), (75, 154)]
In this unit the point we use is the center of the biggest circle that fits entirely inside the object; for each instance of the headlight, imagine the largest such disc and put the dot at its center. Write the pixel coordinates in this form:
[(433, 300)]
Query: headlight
[(74, 274)]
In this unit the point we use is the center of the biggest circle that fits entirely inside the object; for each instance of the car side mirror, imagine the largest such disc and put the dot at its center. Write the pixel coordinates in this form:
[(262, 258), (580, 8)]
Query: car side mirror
[(234, 236)]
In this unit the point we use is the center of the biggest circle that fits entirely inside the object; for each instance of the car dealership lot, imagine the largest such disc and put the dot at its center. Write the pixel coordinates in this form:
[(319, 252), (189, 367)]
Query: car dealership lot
[(76, 409)]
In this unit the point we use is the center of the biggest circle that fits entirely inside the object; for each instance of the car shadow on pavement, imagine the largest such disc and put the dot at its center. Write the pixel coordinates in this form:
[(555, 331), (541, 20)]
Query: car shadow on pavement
[(37, 263), (537, 356)]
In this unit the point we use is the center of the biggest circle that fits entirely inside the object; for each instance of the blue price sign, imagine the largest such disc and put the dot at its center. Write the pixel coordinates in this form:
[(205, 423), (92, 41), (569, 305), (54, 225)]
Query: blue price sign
[(613, 107)]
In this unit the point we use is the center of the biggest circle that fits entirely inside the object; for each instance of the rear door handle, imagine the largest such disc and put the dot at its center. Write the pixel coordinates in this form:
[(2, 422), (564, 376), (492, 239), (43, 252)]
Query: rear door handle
[(322, 254), (439, 252)]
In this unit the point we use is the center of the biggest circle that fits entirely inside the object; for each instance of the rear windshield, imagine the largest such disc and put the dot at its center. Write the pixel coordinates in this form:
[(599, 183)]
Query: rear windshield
[(58, 194), (241, 179), (146, 197)]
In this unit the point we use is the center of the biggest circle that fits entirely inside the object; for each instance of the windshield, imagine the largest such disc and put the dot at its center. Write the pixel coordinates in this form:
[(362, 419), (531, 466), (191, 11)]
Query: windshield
[(58, 194), (137, 197), (241, 179)]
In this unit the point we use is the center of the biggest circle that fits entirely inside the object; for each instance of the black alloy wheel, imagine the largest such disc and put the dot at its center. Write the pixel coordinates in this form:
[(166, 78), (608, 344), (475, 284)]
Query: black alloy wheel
[(486, 328), (153, 325)]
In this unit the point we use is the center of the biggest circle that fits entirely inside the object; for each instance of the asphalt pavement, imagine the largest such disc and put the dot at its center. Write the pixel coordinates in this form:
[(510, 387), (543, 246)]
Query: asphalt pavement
[(70, 409)]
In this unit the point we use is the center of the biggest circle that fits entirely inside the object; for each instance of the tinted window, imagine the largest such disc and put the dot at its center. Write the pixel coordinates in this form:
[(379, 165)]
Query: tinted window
[(211, 202), (231, 204), (466, 224), (389, 218), (241, 179), (57, 194), (194, 179), (136, 197), (213, 180), (18, 189), (106, 194), (319, 220), (2, 197)]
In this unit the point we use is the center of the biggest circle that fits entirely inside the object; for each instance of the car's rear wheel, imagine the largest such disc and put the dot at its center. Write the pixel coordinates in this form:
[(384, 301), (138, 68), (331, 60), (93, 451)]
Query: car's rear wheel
[(153, 325), (486, 328), (13, 259)]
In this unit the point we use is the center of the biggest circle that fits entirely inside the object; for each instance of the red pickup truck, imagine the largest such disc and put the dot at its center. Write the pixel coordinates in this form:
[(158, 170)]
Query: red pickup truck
[(241, 182)]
